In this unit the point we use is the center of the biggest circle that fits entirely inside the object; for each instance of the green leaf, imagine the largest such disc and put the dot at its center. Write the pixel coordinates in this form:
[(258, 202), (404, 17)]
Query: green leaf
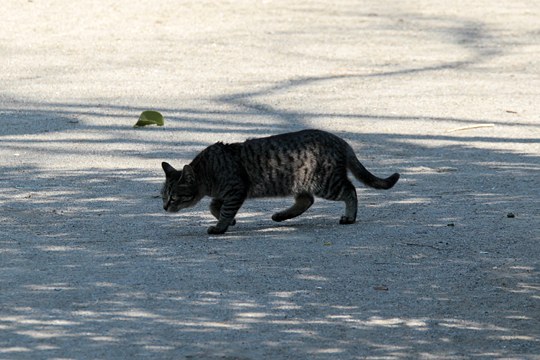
[(150, 117)]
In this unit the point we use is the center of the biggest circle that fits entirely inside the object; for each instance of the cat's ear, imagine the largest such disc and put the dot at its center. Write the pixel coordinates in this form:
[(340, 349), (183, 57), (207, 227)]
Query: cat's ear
[(188, 174), (169, 170)]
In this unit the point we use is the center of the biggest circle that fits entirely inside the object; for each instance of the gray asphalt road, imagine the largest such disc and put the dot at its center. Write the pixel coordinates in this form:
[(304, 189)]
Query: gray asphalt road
[(443, 266)]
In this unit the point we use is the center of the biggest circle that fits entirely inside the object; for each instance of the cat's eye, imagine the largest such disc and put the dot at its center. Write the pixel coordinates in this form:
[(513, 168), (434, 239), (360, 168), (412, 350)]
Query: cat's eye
[(182, 199)]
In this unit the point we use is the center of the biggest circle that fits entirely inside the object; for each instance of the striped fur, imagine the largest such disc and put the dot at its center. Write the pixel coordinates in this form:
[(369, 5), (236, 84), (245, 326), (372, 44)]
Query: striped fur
[(302, 164)]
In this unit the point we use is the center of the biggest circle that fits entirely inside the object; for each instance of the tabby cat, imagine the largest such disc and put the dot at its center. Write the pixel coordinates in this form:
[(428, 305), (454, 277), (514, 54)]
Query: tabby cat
[(304, 164)]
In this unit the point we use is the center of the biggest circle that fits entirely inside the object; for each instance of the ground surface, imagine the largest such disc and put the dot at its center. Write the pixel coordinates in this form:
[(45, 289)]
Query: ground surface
[(91, 267)]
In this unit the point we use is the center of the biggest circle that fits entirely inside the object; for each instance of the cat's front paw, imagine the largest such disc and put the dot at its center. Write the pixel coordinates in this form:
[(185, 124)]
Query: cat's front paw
[(214, 230), (346, 221)]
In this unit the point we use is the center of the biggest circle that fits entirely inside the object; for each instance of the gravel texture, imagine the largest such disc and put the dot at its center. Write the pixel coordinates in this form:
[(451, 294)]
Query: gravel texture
[(443, 266)]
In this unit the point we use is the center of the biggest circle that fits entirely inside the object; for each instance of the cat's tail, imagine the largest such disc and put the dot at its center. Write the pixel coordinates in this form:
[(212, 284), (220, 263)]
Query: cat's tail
[(362, 174)]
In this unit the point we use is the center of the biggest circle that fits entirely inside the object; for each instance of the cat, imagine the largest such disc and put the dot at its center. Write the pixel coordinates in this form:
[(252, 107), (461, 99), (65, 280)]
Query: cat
[(303, 164)]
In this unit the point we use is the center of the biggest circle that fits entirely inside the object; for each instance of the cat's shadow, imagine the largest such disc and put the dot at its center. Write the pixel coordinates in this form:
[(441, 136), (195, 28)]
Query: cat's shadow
[(248, 230)]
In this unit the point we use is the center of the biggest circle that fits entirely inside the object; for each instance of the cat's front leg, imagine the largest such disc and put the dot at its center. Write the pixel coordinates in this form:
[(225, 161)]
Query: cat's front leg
[(215, 209), (228, 211), (221, 226)]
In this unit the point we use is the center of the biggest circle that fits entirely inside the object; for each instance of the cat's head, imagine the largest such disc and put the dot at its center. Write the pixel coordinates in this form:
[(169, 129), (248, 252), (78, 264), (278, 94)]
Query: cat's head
[(180, 189)]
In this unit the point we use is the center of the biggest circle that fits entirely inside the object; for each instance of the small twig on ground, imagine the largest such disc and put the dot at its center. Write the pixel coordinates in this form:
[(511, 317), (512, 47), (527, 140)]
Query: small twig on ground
[(470, 127)]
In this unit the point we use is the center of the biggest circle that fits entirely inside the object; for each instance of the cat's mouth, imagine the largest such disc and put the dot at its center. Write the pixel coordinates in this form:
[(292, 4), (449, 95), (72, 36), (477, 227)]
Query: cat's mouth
[(171, 208)]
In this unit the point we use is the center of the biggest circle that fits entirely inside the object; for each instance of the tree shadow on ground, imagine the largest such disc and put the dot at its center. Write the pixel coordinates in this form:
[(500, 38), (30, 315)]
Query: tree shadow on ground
[(92, 266)]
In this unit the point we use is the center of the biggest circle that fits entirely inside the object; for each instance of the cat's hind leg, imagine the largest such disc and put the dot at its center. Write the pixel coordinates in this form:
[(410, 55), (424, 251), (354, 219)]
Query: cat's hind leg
[(341, 189), (348, 195), (303, 201)]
